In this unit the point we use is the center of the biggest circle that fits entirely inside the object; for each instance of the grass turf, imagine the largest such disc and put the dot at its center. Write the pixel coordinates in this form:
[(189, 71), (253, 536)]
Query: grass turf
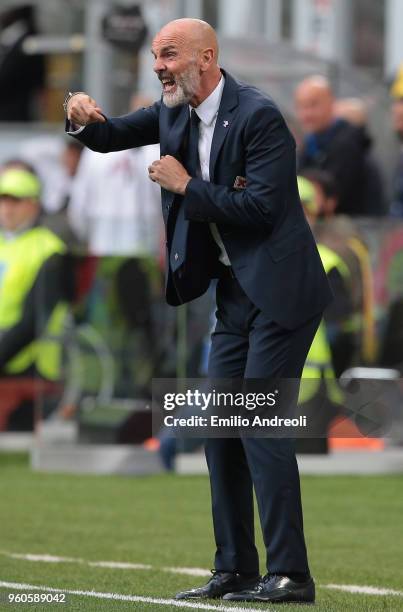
[(353, 525)]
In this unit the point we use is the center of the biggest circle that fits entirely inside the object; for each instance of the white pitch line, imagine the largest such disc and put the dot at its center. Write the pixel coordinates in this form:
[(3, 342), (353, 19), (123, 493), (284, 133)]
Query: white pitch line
[(43, 558), (120, 597), (118, 565), (187, 571), (363, 590)]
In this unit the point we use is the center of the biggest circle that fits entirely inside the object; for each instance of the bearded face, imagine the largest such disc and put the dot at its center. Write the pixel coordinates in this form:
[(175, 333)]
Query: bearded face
[(179, 88), (177, 65)]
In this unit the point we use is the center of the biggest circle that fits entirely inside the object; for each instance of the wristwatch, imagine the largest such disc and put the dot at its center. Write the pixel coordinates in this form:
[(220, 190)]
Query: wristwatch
[(68, 98)]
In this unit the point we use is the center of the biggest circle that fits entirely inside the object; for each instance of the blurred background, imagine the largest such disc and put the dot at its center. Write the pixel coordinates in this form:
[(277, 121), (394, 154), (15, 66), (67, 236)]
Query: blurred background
[(87, 329)]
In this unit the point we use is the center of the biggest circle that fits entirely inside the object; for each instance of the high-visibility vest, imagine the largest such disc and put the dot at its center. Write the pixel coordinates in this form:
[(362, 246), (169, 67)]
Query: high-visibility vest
[(21, 258), (318, 364)]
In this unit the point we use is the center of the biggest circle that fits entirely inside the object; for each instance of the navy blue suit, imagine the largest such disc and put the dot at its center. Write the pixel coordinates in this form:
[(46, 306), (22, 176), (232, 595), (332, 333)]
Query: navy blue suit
[(268, 307), (263, 228)]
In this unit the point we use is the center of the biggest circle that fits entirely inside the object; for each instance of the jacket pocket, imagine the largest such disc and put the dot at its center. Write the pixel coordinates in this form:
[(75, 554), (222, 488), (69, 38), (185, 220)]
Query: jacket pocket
[(293, 241)]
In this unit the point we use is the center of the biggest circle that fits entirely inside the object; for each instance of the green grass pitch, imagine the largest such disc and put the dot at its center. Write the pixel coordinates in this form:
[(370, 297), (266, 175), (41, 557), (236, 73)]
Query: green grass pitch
[(353, 525)]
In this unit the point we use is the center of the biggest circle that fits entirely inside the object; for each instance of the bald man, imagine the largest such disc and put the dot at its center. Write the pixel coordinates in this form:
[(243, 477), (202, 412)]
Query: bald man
[(232, 212), (334, 144)]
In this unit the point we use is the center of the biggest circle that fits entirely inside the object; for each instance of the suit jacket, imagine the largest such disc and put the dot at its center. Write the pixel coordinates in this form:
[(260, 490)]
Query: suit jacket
[(261, 220)]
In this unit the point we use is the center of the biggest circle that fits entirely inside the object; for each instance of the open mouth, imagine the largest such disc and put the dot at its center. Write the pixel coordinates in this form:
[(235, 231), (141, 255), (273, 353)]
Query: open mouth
[(168, 84)]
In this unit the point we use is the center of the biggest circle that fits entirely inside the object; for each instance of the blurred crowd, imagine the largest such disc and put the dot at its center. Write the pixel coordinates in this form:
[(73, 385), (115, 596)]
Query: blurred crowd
[(335, 143), (82, 248)]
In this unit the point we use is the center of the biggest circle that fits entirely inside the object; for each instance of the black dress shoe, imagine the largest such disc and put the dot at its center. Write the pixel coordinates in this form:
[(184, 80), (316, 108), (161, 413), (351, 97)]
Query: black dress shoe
[(219, 584), (278, 589)]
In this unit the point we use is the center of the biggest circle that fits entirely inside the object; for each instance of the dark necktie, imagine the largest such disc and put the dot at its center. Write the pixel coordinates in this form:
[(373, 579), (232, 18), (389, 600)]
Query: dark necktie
[(192, 161)]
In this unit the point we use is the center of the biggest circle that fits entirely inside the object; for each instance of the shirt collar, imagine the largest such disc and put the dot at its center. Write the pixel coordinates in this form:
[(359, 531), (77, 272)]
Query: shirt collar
[(208, 109)]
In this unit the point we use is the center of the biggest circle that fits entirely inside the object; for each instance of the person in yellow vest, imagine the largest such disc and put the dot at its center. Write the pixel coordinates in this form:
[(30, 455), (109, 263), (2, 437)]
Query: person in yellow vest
[(320, 396), (32, 283), (352, 338)]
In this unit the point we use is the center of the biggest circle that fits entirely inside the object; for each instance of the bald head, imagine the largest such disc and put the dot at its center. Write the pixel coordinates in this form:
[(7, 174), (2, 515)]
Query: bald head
[(196, 33), (314, 102), (186, 54), (316, 83)]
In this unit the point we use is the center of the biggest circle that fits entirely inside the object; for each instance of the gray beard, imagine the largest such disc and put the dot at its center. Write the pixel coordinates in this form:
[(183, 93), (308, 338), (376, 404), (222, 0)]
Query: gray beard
[(186, 87), (177, 98)]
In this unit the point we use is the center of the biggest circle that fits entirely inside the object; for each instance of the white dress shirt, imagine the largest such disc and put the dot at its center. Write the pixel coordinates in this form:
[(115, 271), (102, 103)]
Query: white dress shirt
[(207, 112), (114, 206)]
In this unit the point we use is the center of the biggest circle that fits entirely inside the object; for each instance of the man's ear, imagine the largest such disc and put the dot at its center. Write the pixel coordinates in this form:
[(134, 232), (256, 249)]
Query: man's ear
[(207, 58)]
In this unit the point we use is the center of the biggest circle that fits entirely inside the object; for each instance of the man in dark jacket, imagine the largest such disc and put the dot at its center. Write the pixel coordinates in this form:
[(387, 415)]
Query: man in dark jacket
[(334, 145), (232, 210)]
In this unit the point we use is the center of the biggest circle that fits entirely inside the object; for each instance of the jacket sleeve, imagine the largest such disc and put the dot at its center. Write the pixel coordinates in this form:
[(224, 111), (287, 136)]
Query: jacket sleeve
[(136, 129), (52, 285), (270, 156)]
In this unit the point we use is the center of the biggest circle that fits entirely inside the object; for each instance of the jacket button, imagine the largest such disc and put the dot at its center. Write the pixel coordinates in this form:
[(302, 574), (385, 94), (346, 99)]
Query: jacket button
[(176, 256)]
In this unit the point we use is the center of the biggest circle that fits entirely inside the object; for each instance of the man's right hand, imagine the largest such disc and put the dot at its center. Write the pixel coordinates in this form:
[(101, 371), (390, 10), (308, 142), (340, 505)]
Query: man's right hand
[(83, 110)]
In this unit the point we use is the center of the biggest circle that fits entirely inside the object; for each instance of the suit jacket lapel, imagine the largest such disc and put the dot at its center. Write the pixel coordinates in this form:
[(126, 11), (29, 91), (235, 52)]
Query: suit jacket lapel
[(226, 112), (172, 147), (177, 131)]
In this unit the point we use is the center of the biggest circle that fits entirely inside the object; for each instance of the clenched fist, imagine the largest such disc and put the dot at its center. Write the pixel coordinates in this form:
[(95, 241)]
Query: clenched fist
[(170, 174), (83, 110)]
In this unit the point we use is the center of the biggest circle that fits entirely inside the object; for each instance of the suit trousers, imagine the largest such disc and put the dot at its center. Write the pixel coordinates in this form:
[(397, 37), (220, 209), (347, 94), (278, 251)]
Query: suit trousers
[(247, 344)]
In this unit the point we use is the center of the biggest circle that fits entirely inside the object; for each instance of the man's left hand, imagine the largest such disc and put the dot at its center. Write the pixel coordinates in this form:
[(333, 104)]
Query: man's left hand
[(170, 174)]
